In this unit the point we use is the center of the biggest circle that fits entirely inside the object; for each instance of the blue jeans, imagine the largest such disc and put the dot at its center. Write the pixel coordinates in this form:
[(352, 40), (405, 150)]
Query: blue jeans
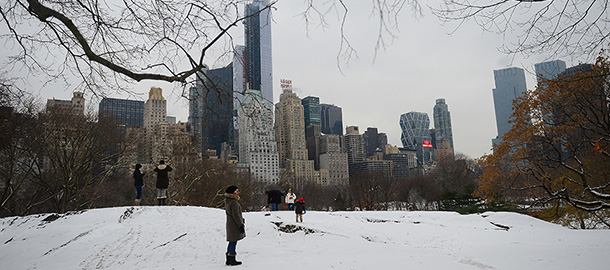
[(139, 191), (231, 248), (273, 206)]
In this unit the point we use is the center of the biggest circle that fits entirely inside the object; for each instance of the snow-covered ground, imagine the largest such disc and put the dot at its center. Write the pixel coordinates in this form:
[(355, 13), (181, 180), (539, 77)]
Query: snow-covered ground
[(169, 237)]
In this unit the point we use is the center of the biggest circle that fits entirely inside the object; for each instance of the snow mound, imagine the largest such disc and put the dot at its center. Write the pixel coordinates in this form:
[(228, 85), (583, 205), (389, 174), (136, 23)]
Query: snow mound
[(150, 237)]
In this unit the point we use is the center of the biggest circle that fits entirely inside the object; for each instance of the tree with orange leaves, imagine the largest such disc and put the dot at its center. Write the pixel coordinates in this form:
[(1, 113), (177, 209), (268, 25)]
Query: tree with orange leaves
[(558, 150)]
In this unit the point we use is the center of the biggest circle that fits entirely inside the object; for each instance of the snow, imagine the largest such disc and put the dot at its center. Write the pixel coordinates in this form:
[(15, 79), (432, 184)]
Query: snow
[(172, 237)]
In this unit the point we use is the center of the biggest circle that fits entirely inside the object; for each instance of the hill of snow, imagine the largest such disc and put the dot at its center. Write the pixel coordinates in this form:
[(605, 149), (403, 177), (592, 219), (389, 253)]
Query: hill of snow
[(150, 237)]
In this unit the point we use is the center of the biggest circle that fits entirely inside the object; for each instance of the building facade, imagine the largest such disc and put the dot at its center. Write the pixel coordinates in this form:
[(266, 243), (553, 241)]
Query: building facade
[(126, 113), (416, 135), (258, 148), (510, 84), (442, 125), (157, 129), (290, 135), (76, 105), (549, 70), (258, 49), (211, 108), (331, 119), (311, 107), (333, 160)]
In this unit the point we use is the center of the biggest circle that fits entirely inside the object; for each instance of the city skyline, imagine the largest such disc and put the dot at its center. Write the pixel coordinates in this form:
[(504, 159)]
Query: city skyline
[(423, 63)]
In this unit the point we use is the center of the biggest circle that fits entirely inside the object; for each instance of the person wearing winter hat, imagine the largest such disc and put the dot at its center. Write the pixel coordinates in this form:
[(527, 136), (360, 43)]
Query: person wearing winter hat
[(299, 209), (138, 182), (162, 181), (235, 223)]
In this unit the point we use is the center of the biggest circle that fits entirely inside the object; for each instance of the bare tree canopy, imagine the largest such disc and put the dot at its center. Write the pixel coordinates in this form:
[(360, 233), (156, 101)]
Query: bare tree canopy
[(560, 28), (105, 43), (114, 41)]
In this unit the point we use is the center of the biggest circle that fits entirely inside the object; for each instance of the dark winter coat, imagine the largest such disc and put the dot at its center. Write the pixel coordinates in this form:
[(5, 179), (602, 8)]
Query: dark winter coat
[(299, 207), (274, 196), (235, 221), (162, 175), (138, 178)]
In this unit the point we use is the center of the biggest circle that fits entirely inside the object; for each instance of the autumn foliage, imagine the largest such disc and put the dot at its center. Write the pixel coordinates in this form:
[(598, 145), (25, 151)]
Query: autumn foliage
[(558, 150)]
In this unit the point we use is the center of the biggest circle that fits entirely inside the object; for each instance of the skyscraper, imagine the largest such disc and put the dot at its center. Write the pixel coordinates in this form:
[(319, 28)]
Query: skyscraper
[(311, 107), (374, 141), (257, 53), (416, 135), (211, 108), (290, 135), (331, 119), (258, 148), (126, 113), (155, 123), (510, 84), (352, 143), (442, 123), (549, 70)]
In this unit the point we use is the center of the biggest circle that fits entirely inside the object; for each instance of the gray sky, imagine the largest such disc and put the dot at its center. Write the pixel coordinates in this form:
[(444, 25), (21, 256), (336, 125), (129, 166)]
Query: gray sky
[(421, 64)]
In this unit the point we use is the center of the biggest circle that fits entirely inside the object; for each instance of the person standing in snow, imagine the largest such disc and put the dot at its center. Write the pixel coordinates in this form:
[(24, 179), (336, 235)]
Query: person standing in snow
[(162, 181), (138, 182), (299, 209), (274, 198), (290, 198), (235, 223)]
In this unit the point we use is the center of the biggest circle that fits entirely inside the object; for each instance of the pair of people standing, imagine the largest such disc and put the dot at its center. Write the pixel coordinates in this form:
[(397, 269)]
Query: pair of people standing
[(162, 184)]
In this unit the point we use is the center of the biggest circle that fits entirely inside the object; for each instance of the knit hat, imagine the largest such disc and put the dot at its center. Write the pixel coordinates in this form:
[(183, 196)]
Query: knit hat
[(231, 189)]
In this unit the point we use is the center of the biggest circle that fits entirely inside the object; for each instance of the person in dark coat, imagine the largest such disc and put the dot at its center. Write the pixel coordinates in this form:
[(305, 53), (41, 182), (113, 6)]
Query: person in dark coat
[(162, 181), (299, 209), (235, 223), (138, 182), (274, 198)]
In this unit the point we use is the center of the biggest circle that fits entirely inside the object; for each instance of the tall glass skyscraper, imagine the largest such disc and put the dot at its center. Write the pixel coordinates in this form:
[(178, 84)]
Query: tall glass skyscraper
[(311, 105), (332, 119), (211, 108), (510, 84), (442, 123), (257, 53), (416, 135)]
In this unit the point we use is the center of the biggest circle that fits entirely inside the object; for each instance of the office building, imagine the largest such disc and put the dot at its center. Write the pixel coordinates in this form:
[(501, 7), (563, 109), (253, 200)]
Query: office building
[(126, 113), (374, 141), (257, 52), (311, 107), (549, 70), (443, 133), (211, 108), (416, 135), (331, 119), (510, 84)]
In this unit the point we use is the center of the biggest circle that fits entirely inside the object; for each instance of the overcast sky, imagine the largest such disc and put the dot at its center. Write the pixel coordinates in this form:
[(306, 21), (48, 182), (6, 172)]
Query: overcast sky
[(421, 64)]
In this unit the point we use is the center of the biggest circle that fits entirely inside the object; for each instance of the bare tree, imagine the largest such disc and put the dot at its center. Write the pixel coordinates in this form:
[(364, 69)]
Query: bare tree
[(565, 28), (104, 42)]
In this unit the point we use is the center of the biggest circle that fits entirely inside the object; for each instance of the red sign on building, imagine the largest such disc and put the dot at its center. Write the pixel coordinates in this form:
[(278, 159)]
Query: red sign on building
[(425, 143)]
